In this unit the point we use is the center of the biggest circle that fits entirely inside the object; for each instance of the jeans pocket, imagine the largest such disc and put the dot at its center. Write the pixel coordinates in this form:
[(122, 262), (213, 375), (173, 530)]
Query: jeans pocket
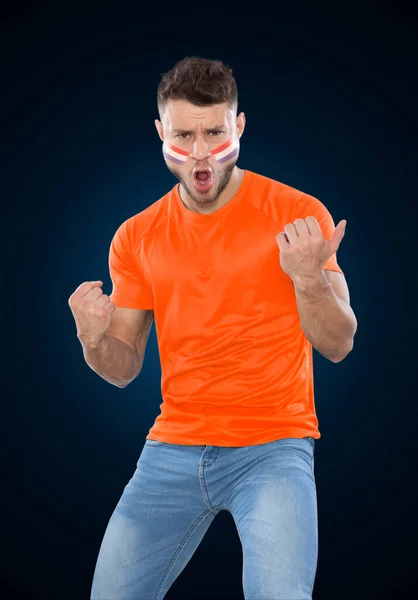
[(311, 442)]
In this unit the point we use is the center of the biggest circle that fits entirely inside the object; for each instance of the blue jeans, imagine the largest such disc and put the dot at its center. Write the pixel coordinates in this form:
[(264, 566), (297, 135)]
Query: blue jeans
[(176, 492)]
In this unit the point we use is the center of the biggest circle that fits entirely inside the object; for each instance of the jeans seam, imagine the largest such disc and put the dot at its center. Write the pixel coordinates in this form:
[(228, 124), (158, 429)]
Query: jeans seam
[(312, 584), (179, 549)]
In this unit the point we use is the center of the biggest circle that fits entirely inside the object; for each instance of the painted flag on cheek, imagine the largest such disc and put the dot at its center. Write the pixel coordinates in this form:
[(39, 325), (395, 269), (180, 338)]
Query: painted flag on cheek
[(226, 151), (175, 154), (221, 154)]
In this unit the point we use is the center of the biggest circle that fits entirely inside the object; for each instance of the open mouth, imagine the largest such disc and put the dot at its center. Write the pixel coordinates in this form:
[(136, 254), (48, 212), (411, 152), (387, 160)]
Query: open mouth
[(203, 178)]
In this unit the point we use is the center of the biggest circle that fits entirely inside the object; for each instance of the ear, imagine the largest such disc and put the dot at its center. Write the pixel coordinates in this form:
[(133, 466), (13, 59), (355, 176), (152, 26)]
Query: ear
[(241, 120), (159, 127)]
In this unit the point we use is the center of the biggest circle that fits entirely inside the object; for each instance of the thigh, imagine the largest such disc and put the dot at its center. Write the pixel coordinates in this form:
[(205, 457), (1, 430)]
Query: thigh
[(155, 528), (275, 511)]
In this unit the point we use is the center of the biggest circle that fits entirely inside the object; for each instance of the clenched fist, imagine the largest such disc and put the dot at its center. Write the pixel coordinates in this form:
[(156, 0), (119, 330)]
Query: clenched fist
[(303, 248), (92, 311)]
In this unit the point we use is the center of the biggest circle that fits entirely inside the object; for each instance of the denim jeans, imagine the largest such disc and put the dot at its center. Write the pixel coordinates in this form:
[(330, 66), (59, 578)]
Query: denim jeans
[(176, 492)]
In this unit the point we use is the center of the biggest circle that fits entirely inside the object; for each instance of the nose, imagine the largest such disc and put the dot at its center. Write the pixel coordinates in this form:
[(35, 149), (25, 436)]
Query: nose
[(200, 149)]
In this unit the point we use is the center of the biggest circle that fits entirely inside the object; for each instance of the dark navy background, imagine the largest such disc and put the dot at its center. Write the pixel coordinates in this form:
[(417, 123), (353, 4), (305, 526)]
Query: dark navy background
[(330, 96)]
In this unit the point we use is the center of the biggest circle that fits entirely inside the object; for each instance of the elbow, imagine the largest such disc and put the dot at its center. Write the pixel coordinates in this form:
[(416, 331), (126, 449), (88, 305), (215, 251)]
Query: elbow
[(343, 354), (117, 383), (124, 384), (347, 346)]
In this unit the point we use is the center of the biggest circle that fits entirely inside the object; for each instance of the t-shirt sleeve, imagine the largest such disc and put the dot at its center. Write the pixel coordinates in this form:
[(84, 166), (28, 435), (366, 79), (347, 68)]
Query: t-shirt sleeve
[(306, 206), (131, 288)]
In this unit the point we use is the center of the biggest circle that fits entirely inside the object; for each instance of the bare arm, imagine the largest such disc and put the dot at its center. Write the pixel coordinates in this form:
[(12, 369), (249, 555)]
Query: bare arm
[(119, 356), (326, 316)]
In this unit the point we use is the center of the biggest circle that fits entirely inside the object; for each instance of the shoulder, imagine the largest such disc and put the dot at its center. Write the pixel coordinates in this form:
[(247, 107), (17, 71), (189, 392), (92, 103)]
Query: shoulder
[(275, 198), (270, 193), (138, 226)]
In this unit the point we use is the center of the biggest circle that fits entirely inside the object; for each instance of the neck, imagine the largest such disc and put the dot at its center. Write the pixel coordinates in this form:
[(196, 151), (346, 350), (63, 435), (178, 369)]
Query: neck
[(224, 197)]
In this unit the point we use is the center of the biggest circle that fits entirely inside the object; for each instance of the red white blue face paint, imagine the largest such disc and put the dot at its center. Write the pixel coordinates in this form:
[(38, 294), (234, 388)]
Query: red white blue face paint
[(226, 151), (221, 154), (174, 154)]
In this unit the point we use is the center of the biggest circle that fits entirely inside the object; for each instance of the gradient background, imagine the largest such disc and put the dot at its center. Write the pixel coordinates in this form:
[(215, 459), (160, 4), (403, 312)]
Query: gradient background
[(330, 96)]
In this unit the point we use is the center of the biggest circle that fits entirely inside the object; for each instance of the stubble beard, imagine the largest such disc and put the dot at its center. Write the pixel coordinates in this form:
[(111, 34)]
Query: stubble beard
[(205, 198)]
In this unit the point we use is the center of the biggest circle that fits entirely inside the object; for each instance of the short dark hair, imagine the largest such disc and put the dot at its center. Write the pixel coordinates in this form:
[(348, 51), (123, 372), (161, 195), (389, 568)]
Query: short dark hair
[(200, 81)]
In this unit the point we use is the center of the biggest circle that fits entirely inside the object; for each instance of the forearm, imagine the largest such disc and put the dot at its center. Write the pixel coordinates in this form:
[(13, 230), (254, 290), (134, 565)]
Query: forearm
[(328, 322), (113, 360)]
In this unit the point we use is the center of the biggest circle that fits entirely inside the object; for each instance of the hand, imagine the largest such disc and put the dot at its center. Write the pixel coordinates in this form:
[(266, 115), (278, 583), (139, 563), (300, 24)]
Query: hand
[(92, 311), (304, 250)]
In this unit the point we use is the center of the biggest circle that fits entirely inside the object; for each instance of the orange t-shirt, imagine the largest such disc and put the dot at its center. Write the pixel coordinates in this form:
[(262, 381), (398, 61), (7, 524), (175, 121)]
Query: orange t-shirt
[(236, 365)]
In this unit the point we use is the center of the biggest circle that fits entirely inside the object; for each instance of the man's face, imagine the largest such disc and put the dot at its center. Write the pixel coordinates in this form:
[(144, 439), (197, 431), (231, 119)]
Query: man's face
[(199, 130)]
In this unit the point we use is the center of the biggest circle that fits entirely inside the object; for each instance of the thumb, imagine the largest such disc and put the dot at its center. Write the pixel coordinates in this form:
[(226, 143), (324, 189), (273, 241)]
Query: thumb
[(337, 236), (96, 283)]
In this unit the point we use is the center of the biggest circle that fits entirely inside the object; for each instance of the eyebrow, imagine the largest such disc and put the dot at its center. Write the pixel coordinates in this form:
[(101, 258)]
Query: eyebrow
[(190, 131)]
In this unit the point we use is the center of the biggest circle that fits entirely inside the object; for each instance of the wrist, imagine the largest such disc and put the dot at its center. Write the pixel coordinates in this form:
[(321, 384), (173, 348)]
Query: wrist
[(91, 343), (311, 282)]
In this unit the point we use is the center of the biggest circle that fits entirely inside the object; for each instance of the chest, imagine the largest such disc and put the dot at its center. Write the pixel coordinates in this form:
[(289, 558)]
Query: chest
[(238, 264)]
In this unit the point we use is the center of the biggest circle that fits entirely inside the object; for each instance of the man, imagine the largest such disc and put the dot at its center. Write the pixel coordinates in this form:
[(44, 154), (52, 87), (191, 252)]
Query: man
[(241, 275)]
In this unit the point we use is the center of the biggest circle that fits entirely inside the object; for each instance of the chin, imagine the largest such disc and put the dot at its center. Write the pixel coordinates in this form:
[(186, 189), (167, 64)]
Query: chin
[(213, 194), (205, 198)]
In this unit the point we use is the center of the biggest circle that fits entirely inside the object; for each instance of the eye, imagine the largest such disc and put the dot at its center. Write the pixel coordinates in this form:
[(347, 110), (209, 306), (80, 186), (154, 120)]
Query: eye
[(182, 136), (215, 132)]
